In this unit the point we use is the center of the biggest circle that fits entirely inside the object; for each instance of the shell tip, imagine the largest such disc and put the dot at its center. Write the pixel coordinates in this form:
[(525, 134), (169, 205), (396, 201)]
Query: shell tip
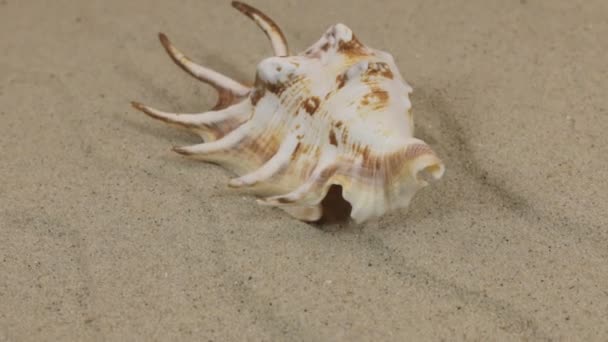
[(269, 202), (235, 183), (181, 150), (163, 39), (137, 105), (261, 201), (242, 7)]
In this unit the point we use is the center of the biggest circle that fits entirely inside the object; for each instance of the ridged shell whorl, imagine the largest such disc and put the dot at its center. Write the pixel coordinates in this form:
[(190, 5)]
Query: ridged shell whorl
[(336, 114)]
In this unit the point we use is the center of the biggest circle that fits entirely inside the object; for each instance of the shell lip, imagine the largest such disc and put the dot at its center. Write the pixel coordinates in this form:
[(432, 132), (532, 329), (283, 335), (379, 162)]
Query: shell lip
[(427, 168)]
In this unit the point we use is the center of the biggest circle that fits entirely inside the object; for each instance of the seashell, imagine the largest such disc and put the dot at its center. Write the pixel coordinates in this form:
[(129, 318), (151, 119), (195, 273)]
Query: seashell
[(337, 114)]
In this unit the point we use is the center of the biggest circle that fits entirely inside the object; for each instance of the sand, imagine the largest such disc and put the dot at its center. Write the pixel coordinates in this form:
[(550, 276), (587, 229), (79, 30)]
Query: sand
[(105, 234)]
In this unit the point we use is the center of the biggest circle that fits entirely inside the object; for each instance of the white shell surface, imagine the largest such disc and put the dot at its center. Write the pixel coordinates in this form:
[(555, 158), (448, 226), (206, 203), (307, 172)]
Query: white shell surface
[(336, 114)]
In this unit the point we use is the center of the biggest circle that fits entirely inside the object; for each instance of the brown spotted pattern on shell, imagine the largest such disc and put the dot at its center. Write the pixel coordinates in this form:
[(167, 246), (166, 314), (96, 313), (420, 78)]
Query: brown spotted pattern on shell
[(337, 114)]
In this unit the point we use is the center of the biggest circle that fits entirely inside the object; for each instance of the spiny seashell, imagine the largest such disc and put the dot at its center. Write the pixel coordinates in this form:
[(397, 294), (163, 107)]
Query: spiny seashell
[(336, 114)]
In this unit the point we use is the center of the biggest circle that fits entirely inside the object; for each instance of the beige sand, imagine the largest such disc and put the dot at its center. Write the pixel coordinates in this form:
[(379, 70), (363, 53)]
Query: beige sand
[(105, 234)]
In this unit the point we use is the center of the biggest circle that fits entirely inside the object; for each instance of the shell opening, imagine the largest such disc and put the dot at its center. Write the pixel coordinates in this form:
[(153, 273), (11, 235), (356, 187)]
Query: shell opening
[(335, 207)]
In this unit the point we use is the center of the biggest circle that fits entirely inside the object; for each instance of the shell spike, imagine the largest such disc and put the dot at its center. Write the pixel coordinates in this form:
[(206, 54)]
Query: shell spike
[(313, 190), (210, 125), (228, 88), (270, 28), (190, 121), (271, 167), (309, 193), (206, 151)]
